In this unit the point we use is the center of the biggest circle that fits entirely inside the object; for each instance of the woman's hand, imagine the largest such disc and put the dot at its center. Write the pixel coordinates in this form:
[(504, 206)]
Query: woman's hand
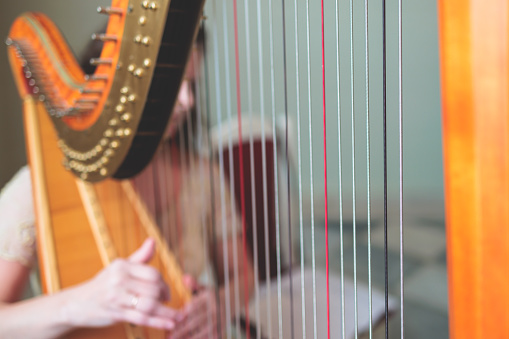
[(128, 290), (198, 319)]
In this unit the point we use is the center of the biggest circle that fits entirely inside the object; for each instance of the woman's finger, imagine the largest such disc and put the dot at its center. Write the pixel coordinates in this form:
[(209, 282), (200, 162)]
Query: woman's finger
[(193, 323), (155, 290), (144, 272), (143, 254), (141, 319)]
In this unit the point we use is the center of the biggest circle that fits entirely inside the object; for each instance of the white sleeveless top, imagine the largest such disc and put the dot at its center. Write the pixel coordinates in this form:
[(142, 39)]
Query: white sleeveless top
[(17, 221)]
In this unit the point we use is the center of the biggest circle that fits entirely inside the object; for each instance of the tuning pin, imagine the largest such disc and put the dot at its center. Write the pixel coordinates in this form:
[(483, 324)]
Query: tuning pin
[(109, 10), (100, 61), (90, 91), (94, 77), (104, 37), (86, 101)]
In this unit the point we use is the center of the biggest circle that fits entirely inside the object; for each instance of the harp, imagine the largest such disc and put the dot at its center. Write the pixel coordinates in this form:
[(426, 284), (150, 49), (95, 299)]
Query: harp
[(475, 91)]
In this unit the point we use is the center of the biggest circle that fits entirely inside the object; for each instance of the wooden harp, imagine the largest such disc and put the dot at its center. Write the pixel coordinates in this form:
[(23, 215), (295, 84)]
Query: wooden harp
[(474, 79), (99, 127)]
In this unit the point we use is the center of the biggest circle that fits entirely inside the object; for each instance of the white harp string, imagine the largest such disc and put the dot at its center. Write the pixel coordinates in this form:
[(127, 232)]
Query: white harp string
[(264, 164), (228, 312), (340, 179), (299, 168), (252, 161), (276, 181), (354, 205), (232, 168), (200, 146), (400, 89), (368, 168), (313, 256)]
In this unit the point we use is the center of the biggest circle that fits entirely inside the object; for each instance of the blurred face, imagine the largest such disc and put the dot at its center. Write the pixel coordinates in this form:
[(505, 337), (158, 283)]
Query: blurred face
[(185, 99)]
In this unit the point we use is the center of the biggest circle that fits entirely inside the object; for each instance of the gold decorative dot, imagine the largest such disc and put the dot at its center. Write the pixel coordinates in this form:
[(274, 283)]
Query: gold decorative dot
[(126, 117), (143, 21), (147, 63), (145, 4), (108, 153), (138, 38), (139, 73), (131, 98), (119, 108), (123, 99), (114, 144), (103, 172), (127, 132), (125, 90), (131, 68), (113, 122), (119, 132), (108, 133), (84, 176), (146, 41), (153, 5)]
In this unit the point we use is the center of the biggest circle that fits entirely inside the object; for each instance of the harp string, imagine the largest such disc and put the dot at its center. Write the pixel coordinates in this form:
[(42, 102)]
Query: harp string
[(241, 167), (325, 171), (221, 178), (384, 136), (200, 147), (183, 176), (289, 219), (166, 178), (354, 204), (276, 181), (368, 168), (299, 169), (193, 149), (340, 179), (231, 165), (310, 124), (254, 211), (264, 165), (228, 311), (400, 94)]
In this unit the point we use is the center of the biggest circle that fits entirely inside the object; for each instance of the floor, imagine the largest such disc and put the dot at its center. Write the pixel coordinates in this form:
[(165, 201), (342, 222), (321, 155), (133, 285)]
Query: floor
[(425, 274)]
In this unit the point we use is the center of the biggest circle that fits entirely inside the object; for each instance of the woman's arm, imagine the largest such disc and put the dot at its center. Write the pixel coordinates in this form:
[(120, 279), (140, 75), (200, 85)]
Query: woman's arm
[(13, 278), (127, 290)]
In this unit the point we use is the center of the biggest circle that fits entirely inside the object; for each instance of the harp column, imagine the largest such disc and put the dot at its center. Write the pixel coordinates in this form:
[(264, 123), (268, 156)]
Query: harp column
[(474, 40)]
